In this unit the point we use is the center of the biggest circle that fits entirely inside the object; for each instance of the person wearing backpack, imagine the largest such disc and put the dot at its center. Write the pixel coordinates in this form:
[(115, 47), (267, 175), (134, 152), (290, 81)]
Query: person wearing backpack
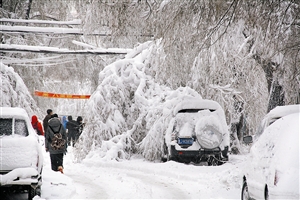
[(37, 126), (56, 143)]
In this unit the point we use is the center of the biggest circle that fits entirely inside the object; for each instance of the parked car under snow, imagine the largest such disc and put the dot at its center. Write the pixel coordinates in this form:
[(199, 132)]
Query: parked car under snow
[(198, 133), (272, 170), (21, 154), (275, 114)]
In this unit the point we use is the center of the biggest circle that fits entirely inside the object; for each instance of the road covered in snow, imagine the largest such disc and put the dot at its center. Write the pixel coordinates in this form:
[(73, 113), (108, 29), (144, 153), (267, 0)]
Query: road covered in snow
[(141, 179)]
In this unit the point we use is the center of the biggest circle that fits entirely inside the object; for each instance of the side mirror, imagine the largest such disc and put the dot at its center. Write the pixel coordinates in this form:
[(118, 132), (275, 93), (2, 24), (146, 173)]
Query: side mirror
[(248, 139)]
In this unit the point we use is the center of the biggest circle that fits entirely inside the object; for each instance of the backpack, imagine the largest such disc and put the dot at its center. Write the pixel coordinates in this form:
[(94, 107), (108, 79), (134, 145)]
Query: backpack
[(57, 142)]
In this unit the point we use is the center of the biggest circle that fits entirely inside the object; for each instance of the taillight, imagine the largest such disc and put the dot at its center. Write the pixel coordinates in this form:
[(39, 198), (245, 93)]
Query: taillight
[(276, 178)]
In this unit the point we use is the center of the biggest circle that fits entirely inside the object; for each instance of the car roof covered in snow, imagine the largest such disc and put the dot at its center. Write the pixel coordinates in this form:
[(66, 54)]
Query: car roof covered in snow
[(13, 112), (19, 113), (195, 103), (275, 114), (281, 111)]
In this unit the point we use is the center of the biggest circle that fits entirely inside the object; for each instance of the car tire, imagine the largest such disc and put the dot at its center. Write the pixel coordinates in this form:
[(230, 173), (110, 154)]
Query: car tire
[(213, 161), (266, 193), (33, 192), (172, 158), (245, 193), (165, 153)]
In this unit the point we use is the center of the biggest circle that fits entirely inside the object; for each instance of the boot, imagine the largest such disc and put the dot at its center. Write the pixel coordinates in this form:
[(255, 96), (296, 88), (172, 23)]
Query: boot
[(60, 168)]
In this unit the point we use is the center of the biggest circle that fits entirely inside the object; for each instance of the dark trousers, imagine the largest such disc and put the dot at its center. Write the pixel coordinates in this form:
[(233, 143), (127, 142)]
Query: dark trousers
[(71, 137), (56, 161)]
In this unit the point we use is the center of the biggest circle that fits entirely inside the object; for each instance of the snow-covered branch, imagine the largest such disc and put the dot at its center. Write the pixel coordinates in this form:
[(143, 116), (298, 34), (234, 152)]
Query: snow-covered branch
[(43, 30), (73, 22), (55, 50), (39, 61), (83, 44)]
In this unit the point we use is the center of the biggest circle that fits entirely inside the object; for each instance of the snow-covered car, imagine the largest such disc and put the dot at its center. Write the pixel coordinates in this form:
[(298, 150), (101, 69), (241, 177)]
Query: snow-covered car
[(275, 114), (272, 169), (20, 152), (198, 132)]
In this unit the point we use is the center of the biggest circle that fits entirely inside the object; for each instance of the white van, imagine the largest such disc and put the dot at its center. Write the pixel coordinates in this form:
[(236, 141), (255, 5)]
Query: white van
[(21, 154)]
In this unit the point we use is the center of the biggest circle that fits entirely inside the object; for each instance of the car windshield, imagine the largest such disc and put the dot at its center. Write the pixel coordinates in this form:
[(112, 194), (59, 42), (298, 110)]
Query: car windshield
[(6, 124)]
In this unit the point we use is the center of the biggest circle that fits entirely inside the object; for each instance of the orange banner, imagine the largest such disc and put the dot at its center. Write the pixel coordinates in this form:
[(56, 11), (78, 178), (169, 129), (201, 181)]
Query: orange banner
[(64, 96)]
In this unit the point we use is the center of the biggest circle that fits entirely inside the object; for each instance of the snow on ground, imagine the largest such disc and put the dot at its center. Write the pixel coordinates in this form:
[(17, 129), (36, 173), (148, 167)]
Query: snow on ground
[(138, 178)]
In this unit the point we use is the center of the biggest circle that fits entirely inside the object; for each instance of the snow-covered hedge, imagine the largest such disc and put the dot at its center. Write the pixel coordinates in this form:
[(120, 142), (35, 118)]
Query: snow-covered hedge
[(13, 91), (129, 112)]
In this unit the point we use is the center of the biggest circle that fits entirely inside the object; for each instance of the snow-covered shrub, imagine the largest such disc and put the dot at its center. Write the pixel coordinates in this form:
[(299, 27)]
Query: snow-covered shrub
[(129, 112), (14, 93)]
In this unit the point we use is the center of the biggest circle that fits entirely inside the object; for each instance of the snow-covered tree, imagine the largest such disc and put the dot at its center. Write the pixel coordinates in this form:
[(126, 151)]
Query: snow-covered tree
[(14, 92), (129, 112)]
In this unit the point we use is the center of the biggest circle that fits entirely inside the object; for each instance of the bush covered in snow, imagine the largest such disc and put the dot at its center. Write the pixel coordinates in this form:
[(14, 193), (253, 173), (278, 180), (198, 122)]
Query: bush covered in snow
[(14, 92), (129, 112)]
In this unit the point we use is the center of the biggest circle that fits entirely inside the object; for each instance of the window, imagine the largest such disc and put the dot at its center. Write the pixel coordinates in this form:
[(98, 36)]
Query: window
[(20, 127), (195, 110), (5, 127)]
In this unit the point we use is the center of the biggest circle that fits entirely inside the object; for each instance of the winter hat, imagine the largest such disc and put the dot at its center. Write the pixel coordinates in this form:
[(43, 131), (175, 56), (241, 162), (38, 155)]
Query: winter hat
[(79, 119), (54, 115), (34, 119)]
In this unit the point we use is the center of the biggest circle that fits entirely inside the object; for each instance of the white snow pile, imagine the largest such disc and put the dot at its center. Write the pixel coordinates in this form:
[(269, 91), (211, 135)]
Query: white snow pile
[(129, 112), (13, 91)]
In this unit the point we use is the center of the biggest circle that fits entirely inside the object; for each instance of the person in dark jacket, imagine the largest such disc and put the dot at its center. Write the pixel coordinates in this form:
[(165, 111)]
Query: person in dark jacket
[(72, 129), (46, 119), (56, 143), (37, 125), (80, 127)]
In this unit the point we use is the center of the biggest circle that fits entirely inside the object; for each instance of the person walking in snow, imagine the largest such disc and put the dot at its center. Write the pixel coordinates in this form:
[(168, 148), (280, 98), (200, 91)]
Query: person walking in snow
[(80, 127), (46, 119), (64, 121), (56, 143), (37, 126), (72, 129)]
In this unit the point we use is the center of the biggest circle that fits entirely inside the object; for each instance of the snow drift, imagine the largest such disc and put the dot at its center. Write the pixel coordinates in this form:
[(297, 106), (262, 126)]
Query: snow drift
[(129, 112), (14, 92)]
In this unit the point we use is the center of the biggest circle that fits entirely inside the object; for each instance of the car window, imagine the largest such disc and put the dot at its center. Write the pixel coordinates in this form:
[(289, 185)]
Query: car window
[(20, 127), (5, 126), (194, 110)]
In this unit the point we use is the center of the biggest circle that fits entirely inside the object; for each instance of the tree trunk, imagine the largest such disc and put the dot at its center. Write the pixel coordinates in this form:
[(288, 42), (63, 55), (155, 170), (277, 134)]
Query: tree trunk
[(276, 95), (28, 9), (276, 91)]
